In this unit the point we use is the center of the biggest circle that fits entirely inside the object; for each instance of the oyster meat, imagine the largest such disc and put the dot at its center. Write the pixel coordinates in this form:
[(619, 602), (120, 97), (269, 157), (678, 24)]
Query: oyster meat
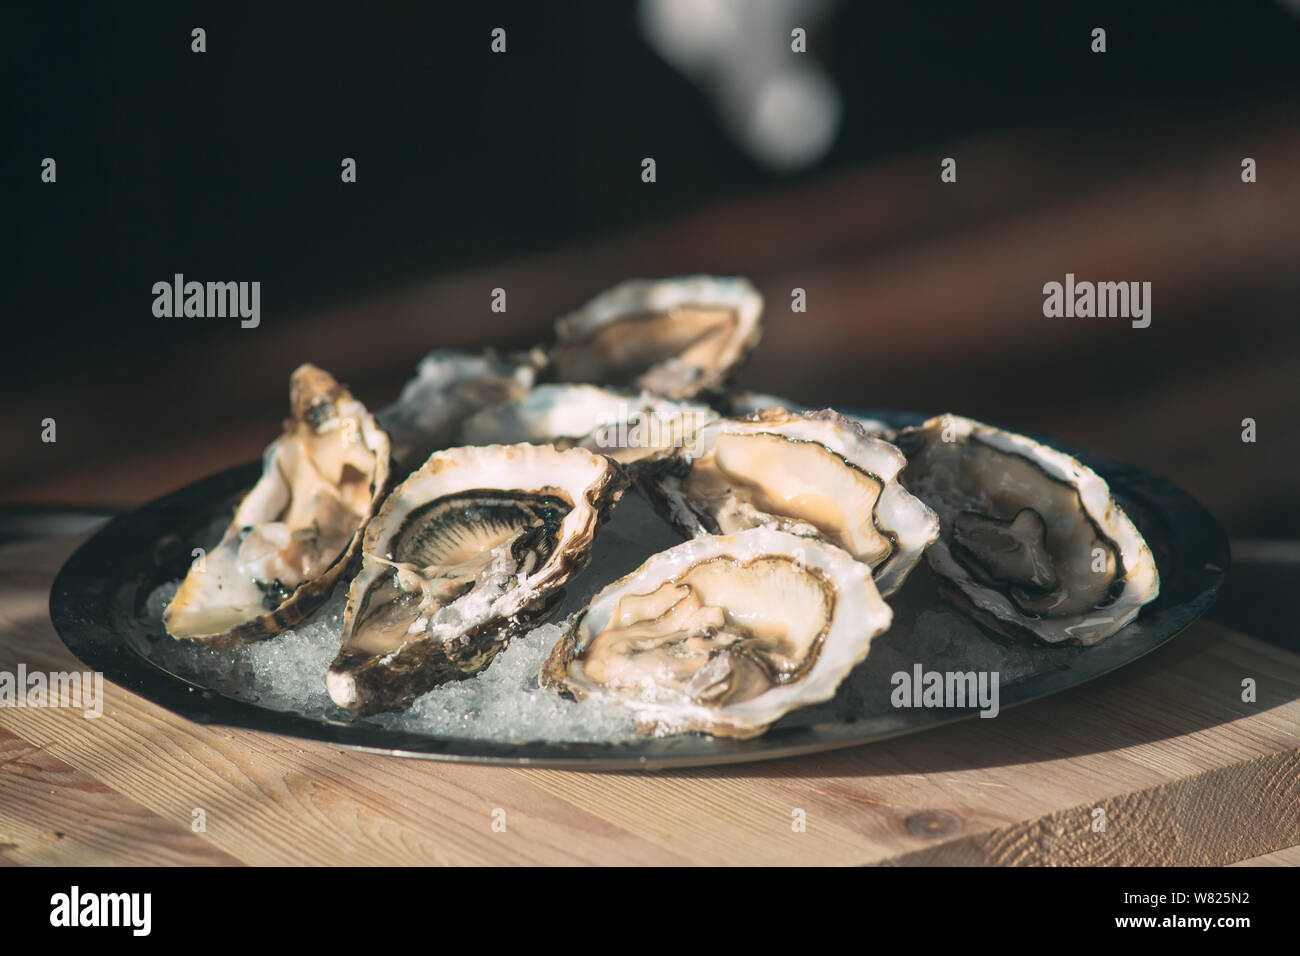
[(297, 530), (624, 427), (1033, 544), (723, 634), (675, 337), (470, 550), (815, 473)]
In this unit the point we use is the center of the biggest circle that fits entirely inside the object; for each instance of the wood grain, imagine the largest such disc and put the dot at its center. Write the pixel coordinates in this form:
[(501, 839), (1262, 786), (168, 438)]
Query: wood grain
[(1186, 772), (1288, 857), (56, 814)]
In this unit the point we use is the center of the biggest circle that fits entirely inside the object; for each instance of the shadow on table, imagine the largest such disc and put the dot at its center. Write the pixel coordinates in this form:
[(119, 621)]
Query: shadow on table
[(1189, 685)]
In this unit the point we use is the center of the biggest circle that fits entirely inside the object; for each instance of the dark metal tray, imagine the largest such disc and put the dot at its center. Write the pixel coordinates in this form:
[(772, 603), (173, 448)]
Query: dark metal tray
[(98, 599)]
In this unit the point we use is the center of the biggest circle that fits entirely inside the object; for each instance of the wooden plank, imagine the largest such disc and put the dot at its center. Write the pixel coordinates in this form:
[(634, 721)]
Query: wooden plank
[(1185, 770), (1288, 857), (53, 814), (1209, 819)]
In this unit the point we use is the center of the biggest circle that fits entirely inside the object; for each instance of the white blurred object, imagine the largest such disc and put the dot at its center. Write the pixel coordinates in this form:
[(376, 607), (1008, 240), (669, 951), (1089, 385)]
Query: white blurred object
[(781, 106)]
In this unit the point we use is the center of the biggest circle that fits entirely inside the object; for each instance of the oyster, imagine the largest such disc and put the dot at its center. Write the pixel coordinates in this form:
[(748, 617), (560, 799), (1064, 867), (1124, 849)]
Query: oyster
[(744, 404), (723, 634), (449, 386), (624, 427), (1033, 544), (674, 337), (298, 528), (815, 473), (470, 550)]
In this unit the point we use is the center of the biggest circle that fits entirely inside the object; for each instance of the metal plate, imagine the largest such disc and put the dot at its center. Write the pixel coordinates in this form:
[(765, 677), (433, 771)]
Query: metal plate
[(99, 595)]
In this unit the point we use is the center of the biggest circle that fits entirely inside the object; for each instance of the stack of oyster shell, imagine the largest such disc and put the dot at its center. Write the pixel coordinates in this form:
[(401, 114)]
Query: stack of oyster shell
[(460, 513)]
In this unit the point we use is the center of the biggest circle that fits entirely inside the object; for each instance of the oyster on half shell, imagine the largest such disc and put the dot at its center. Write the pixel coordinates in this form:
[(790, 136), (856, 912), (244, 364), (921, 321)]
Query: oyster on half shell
[(723, 634), (297, 530), (470, 550), (815, 474), (1033, 544), (449, 386), (673, 337), (624, 427), (744, 404)]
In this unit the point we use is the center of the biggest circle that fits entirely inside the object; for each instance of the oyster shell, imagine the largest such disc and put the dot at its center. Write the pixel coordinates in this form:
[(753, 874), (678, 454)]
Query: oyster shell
[(624, 427), (1033, 544), (744, 404), (723, 634), (449, 386), (815, 473), (298, 528), (675, 337), (470, 550)]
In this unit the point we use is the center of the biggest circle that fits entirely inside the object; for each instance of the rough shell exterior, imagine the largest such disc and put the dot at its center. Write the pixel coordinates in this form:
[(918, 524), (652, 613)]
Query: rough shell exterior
[(316, 401)]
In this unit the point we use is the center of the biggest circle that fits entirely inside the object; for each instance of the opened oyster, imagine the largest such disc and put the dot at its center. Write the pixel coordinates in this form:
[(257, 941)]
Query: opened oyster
[(470, 550), (799, 523), (674, 337), (624, 427), (723, 634), (744, 404), (813, 474), (449, 386), (1033, 544), (296, 531)]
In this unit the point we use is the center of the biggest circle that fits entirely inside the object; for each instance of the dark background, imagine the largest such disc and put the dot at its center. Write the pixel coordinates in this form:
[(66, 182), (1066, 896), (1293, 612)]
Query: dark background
[(523, 170)]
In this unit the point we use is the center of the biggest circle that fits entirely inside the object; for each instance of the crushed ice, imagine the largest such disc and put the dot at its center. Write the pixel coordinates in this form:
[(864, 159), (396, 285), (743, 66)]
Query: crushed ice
[(505, 703)]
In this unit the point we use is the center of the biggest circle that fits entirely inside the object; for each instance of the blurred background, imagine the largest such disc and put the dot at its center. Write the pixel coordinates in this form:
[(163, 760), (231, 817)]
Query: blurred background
[(522, 170)]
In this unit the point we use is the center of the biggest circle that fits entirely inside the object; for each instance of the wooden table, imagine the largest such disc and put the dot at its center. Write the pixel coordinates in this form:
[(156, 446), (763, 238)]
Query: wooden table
[(921, 296), (1185, 772)]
